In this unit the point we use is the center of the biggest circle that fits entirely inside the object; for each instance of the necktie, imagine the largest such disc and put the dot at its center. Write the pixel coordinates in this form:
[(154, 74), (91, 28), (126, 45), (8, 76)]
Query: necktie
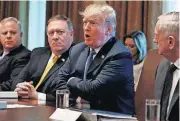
[(88, 62), (48, 67), (166, 91)]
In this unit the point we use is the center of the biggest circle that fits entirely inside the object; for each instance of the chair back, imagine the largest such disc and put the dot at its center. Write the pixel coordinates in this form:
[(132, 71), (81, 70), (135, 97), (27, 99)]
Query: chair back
[(145, 88)]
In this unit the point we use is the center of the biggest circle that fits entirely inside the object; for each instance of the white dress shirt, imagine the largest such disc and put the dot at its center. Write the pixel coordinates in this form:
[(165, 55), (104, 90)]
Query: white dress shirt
[(4, 53), (176, 77)]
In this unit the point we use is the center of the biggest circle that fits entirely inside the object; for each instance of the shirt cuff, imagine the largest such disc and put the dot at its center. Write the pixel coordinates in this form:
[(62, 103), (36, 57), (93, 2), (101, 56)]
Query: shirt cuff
[(41, 98)]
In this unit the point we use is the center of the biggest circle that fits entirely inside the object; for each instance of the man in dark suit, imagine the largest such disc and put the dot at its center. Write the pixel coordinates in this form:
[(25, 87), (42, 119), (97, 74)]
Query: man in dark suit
[(167, 75), (108, 83), (60, 38), (14, 55)]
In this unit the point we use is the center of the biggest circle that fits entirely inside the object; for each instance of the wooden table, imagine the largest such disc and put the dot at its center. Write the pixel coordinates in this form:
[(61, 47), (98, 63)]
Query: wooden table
[(37, 113)]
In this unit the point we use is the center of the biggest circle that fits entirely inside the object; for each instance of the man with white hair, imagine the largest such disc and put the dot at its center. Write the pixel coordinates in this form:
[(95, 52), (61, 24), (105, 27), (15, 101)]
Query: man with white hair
[(168, 73), (100, 70)]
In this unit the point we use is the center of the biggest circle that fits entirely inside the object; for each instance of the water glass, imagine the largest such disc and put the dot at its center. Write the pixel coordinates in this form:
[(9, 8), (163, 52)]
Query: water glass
[(62, 98), (152, 110)]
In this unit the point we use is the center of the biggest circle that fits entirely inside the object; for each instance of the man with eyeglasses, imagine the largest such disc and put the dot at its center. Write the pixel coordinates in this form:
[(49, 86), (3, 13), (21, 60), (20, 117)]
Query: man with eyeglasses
[(35, 79), (13, 56)]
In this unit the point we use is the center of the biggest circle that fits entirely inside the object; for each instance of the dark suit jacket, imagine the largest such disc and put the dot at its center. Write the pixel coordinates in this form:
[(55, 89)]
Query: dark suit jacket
[(35, 68), (109, 85), (162, 69), (11, 65)]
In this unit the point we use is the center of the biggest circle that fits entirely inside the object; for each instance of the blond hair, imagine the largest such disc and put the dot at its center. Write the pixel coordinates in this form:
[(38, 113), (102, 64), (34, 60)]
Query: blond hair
[(103, 10), (63, 18)]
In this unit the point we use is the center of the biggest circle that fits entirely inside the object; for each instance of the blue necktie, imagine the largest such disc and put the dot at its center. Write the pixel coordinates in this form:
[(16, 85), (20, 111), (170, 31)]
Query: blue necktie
[(166, 91), (88, 63)]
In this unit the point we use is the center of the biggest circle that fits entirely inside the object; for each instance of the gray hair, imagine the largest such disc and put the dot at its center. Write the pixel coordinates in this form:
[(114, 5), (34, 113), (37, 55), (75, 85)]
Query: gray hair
[(12, 19), (169, 22), (63, 18), (103, 10)]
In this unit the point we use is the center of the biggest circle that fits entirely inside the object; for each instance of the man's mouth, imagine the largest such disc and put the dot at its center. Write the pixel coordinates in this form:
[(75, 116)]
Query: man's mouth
[(87, 36)]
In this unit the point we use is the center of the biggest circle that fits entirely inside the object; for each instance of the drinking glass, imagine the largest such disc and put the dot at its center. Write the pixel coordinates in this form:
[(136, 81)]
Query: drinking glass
[(62, 98), (152, 110)]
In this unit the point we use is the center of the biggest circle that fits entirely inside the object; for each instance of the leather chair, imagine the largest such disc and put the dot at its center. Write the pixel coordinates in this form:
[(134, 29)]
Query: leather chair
[(145, 88)]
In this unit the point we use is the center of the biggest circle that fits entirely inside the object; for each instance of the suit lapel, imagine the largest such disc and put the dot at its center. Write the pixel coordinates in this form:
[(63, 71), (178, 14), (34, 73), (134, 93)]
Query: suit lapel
[(11, 53), (174, 98), (161, 79), (43, 62), (5, 59), (56, 66), (82, 60), (101, 55)]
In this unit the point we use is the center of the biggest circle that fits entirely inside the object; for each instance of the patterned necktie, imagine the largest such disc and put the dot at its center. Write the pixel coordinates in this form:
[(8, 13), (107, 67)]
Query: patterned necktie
[(88, 62), (48, 67), (166, 91)]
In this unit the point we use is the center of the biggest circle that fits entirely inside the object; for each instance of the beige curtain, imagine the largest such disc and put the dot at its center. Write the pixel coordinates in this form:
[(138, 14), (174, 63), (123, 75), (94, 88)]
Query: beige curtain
[(137, 15), (9, 8)]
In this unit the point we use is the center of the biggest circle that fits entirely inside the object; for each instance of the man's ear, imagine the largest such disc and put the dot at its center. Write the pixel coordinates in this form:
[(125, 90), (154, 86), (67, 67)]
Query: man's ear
[(21, 34), (71, 33), (109, 29), (171, 41)]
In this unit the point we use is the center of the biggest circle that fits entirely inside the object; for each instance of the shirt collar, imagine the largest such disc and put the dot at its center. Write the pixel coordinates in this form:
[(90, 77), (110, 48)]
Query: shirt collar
[(96, 49), (99, 48), (177, 63), (5, 53), (52, 55)]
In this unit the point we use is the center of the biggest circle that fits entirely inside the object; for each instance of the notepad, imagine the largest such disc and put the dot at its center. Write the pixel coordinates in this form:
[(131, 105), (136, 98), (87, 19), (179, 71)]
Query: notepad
[(8, 94), (65, 115)]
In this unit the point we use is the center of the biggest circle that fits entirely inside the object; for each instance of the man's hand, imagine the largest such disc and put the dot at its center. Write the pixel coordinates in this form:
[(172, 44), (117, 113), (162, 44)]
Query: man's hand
[(80, 102), (26, 90)]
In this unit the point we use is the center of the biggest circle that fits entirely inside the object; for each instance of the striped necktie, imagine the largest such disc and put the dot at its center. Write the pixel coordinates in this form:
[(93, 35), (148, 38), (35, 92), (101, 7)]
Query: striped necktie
[(48, 67), (166, 91), (88, 62)]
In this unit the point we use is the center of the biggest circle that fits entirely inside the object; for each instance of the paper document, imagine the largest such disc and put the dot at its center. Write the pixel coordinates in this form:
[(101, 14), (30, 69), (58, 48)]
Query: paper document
[(8, 94), (18, 106), (65, 115)]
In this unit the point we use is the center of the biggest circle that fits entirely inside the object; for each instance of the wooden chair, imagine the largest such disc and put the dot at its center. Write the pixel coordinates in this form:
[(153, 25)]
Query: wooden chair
[(145, 89)]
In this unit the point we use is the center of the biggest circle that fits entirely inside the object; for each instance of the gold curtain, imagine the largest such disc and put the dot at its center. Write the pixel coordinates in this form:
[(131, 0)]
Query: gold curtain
[(137, 15)]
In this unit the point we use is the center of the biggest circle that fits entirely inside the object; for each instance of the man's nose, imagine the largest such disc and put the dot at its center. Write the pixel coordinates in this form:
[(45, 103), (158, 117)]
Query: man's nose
[(155, 40), (55, 35), (87, 27), (9, 35)]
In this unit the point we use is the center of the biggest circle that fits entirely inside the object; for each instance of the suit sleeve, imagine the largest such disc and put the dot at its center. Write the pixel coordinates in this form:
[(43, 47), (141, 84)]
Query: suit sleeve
[(17, 65), (115, 74), (23, 76)]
